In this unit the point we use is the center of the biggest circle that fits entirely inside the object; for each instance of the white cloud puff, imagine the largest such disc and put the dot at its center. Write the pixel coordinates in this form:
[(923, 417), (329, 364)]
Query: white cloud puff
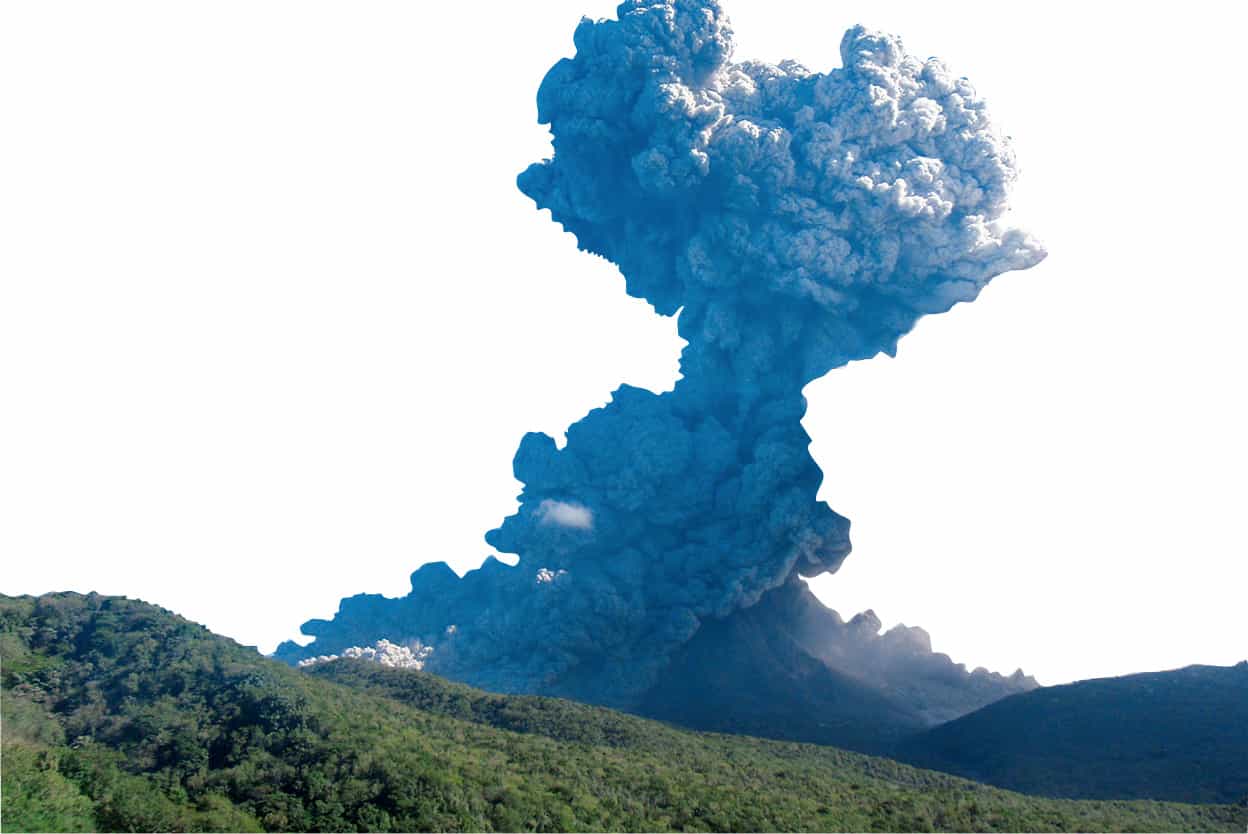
[(566, 514), (412, 656)]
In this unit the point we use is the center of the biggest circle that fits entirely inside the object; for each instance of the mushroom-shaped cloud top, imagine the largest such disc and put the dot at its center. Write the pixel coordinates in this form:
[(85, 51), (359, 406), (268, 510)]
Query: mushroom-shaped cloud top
[(833, 207)]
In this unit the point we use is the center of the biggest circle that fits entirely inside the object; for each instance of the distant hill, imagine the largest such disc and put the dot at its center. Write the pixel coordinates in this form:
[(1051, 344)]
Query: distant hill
[(789, 667), (118, 715), (1179, 735)]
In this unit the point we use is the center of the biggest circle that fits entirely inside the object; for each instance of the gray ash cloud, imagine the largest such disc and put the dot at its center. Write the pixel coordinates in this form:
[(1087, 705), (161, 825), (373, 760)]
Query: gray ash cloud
[(796, 221)]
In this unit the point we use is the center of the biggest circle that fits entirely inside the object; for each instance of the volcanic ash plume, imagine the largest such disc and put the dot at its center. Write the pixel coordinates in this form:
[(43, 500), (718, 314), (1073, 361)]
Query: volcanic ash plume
[(797, 221)]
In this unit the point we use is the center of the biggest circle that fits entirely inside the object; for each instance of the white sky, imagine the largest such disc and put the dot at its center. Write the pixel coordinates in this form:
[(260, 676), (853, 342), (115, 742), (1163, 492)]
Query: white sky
[(273, 319)]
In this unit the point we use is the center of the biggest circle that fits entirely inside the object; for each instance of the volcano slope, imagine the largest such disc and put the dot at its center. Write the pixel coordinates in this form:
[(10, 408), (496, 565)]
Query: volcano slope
[(121, 716), (791, 668)]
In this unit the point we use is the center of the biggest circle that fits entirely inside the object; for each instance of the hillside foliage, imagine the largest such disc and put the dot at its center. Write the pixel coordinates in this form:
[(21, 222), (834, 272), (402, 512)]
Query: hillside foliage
[(120, 716)]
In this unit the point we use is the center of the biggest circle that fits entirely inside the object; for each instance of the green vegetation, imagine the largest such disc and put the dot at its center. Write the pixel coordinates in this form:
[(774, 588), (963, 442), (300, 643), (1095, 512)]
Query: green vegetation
[(121, 716)]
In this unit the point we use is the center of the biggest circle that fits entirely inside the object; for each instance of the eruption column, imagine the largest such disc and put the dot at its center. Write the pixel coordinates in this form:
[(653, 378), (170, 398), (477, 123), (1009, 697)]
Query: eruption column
[(796, 221)]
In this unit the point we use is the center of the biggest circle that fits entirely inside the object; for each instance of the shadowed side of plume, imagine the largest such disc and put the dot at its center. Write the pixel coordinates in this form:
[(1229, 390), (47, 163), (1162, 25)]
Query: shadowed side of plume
[(791, 668)]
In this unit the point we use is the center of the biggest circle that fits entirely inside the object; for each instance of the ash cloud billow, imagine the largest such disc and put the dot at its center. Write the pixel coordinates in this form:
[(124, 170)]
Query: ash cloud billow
[(384, 653), (796, 220)]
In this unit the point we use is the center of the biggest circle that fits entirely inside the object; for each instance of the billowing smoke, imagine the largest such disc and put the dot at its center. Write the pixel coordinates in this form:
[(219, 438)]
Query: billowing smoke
[(795, 221), (383, 652)]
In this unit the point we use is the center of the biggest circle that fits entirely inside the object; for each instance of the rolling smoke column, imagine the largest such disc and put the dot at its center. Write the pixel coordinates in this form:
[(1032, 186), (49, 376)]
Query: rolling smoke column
[(796, 221)]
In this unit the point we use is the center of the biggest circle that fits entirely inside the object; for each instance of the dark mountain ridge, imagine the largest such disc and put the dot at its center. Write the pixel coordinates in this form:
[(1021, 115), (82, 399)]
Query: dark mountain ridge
[(1179, 735)]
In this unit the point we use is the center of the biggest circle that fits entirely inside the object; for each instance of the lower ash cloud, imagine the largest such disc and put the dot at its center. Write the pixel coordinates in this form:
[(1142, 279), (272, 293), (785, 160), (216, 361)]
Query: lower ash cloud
[(795, 221)]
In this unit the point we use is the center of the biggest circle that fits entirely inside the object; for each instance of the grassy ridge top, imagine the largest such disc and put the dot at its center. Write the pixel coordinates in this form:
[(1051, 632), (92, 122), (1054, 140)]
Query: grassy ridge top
[(121, 716)]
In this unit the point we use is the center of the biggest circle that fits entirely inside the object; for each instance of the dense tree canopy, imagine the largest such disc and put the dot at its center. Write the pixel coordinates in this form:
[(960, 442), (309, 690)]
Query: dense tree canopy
[(121, 716)]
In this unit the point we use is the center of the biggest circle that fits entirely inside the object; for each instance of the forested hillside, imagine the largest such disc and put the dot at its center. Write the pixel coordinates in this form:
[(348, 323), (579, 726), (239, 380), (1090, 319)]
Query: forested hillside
[(121, 716)]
